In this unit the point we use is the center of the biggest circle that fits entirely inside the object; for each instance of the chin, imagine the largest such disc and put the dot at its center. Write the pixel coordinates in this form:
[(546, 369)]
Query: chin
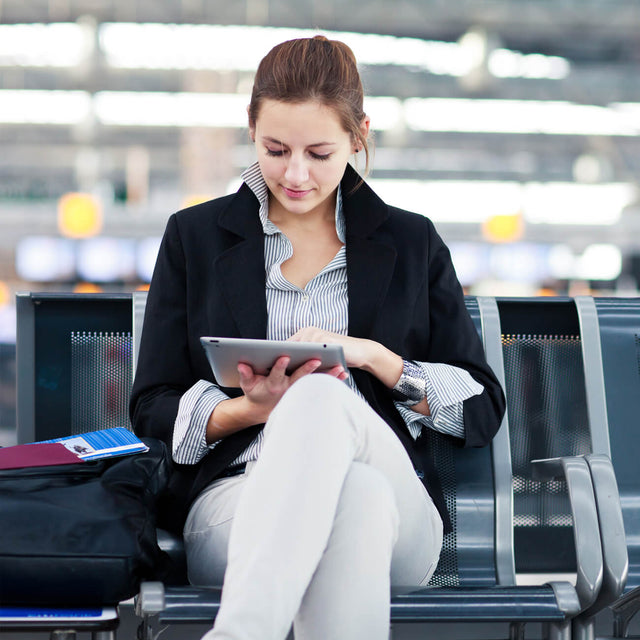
[(298, 206)]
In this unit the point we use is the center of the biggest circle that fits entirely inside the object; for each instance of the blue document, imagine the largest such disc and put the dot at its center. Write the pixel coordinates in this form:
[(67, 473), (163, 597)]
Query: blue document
[(106, 443)]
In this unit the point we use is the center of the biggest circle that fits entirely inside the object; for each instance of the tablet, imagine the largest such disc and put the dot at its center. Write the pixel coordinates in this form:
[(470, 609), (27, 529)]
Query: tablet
[(224, 354)]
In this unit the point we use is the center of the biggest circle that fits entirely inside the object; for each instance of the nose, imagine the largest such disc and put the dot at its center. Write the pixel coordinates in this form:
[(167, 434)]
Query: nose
[(297, 171)]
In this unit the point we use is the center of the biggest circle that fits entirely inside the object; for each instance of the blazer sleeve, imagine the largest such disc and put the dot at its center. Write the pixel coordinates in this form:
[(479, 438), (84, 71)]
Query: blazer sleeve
[(164, 371), (454, 340)]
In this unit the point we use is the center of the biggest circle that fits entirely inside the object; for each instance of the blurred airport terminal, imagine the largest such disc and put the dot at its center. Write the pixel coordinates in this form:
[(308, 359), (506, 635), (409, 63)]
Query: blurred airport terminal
[(513, 124)]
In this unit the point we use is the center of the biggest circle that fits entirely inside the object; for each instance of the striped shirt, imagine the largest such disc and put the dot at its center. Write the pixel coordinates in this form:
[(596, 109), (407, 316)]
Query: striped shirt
[(322, 303)]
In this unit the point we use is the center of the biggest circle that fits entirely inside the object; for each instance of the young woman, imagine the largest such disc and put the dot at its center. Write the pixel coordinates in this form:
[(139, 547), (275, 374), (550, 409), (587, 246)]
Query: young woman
[(304, 493)]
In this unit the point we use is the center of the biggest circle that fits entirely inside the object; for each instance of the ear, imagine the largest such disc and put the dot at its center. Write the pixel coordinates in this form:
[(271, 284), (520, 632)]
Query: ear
[(364, 126), (364, 130)]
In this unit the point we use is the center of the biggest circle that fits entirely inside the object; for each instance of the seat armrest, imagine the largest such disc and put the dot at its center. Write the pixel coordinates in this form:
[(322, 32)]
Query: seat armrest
[(150, 599), (575, 471), (612, 535), (614, 548)]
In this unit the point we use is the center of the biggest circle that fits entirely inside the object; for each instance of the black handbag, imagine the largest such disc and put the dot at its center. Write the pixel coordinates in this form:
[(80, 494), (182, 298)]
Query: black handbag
[(81, 534)]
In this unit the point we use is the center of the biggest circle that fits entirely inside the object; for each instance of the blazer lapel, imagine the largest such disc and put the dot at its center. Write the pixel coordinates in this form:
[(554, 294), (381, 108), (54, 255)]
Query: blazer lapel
[(240, 269), (371, 257)]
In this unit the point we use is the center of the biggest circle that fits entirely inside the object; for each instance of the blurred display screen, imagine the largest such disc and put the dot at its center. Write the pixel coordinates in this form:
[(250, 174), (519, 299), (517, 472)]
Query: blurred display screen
[(102, 259), (106, 259), (45, 259)]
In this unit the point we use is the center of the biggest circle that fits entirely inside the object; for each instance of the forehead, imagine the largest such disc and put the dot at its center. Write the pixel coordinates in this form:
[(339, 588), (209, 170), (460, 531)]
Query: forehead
[(310, 120)]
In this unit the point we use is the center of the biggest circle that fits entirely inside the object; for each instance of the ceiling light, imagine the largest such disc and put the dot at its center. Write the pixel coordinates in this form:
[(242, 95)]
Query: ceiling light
[(173, 46), (44, 107), (516, 116), (44, 45), (157, 109), (451, 201)]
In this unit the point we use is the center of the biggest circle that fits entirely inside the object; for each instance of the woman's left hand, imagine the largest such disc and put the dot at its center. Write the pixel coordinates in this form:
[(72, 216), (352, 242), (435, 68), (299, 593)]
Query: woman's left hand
[(359, 353)]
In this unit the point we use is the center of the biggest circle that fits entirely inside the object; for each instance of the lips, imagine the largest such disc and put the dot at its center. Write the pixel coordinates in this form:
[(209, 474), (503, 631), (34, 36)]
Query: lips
[(295, 194)]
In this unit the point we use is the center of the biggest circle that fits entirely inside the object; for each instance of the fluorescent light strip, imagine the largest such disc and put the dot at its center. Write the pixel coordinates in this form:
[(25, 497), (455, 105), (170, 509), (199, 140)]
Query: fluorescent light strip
[(504, 63), (184, 109), (189, 46), (44, 45), (206, 109), (451, 201), (171, 109), (172, 46), (518, 116), (44, 107)]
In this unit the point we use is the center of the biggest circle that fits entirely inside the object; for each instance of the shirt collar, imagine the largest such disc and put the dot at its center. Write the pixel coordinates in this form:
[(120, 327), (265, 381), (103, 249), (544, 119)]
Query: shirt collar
[(252, 176)]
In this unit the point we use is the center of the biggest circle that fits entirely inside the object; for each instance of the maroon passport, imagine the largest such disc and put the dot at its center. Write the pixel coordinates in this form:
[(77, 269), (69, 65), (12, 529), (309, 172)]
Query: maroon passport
[(39, 454)]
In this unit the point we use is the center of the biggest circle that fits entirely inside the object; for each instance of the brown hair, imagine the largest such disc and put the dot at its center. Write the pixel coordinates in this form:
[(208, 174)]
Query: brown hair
[(313, 69)]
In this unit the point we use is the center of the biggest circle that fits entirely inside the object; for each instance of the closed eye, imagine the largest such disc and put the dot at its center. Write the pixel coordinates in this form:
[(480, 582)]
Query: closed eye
[(278, 153)]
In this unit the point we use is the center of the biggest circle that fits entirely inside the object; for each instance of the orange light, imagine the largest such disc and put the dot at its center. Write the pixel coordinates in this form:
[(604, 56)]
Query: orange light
[(87, 287), (194, 199), (5, 294), (503, 228), (79, 215)]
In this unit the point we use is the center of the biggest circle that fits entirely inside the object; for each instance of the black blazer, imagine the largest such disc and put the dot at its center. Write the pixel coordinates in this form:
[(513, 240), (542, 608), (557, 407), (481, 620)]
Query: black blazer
[(209, 279)]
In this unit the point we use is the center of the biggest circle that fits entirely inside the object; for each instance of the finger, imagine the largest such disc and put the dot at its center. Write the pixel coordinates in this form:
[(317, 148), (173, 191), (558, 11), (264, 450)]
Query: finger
[(305, 369), (279, 368), (338, 372), (247, 377), (245, 371)]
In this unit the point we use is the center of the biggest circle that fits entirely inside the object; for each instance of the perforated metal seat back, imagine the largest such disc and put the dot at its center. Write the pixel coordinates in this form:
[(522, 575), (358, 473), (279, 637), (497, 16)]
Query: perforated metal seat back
[(619, 321), (468, 553), (74, 359), (548, 418), (101, 380)]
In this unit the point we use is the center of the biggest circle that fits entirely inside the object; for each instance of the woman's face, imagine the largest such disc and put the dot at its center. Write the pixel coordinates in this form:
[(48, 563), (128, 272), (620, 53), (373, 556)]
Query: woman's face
[(302, 151)]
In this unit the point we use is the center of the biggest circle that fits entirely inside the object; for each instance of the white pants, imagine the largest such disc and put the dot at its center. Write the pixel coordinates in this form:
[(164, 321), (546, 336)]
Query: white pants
[(318, 528)]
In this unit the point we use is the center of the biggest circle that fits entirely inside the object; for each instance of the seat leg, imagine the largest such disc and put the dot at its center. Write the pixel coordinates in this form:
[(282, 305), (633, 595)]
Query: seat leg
[(103, 635), (583, 629), (559, 630), (516, 631), (63, 634)]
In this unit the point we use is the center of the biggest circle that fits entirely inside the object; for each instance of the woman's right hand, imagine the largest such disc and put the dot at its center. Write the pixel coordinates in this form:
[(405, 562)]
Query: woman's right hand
[(261, 395), (264, 392)]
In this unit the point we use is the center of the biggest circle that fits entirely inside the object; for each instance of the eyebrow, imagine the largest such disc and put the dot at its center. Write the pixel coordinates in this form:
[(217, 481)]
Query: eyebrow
[(282, 144)]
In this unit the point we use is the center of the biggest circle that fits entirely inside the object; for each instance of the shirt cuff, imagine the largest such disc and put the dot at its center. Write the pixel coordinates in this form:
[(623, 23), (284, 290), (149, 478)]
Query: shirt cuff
[(190, 428), (445, 387)]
